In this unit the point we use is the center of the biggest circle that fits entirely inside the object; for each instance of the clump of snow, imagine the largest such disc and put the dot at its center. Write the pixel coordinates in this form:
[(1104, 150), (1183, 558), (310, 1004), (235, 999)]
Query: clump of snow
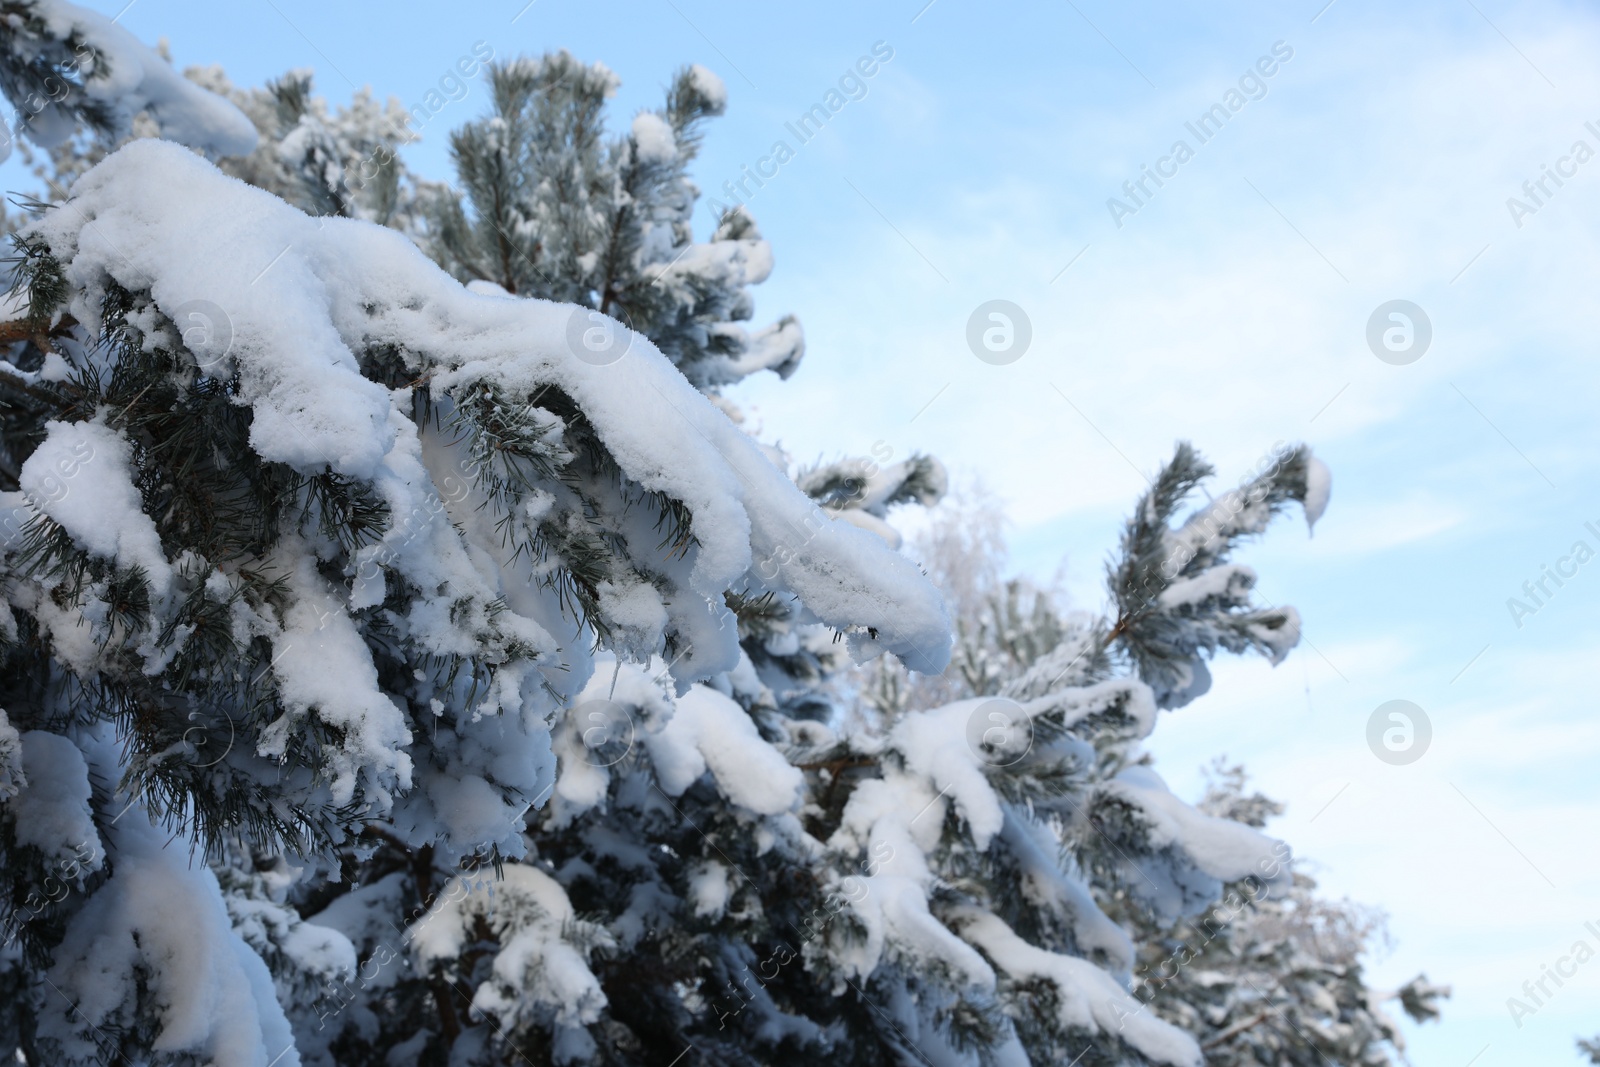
[(1227, 581), (709, 86), (777, 347), (52, 808), (364, 917), (624, 702), (1222, 848), (538, 972), (1045, 885), (80, 476), (935, 744), (1319, 486), (894, 911), (1126, 697), (709, 890), (1087, 997), (1275, 632), (467, 807), (303, 953), (653, 141), (154, 946), (324, 667), (709, 731)]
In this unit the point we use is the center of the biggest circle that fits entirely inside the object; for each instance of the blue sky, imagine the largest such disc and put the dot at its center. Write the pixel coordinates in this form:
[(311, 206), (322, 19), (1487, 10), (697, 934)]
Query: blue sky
[(1230, 310)]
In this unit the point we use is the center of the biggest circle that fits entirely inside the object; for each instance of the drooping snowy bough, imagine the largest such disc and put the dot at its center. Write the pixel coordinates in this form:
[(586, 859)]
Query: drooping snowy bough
[(322, 537), (62, 64)]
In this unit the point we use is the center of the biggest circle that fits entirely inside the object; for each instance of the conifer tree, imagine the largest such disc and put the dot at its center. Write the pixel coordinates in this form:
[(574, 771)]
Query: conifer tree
[(759, 886), (69, 71), (403, 672), (319, 571)]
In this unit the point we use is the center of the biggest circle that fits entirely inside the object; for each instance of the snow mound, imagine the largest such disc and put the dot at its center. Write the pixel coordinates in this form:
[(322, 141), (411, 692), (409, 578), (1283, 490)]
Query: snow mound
[(710, 731), (154, 946), (1088, 998), (540, 971)]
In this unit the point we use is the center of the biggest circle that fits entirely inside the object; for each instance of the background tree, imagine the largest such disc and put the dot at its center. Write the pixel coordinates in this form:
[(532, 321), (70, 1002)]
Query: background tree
[(1255, 977), (1280, 980), (333, 161), (341, 161)]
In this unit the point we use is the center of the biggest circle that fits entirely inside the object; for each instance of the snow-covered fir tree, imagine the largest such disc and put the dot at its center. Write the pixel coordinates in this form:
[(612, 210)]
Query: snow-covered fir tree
[(401, 671), (325, 570), (451, 980)]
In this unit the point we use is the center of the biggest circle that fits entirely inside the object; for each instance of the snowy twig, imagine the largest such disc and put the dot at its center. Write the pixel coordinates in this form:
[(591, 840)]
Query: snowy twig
[(1234, 1031)]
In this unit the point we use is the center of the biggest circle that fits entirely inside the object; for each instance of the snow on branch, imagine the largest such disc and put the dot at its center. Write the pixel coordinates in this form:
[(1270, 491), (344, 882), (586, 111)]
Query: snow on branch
[(62, 65), (1178, 598), (452, 460)]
